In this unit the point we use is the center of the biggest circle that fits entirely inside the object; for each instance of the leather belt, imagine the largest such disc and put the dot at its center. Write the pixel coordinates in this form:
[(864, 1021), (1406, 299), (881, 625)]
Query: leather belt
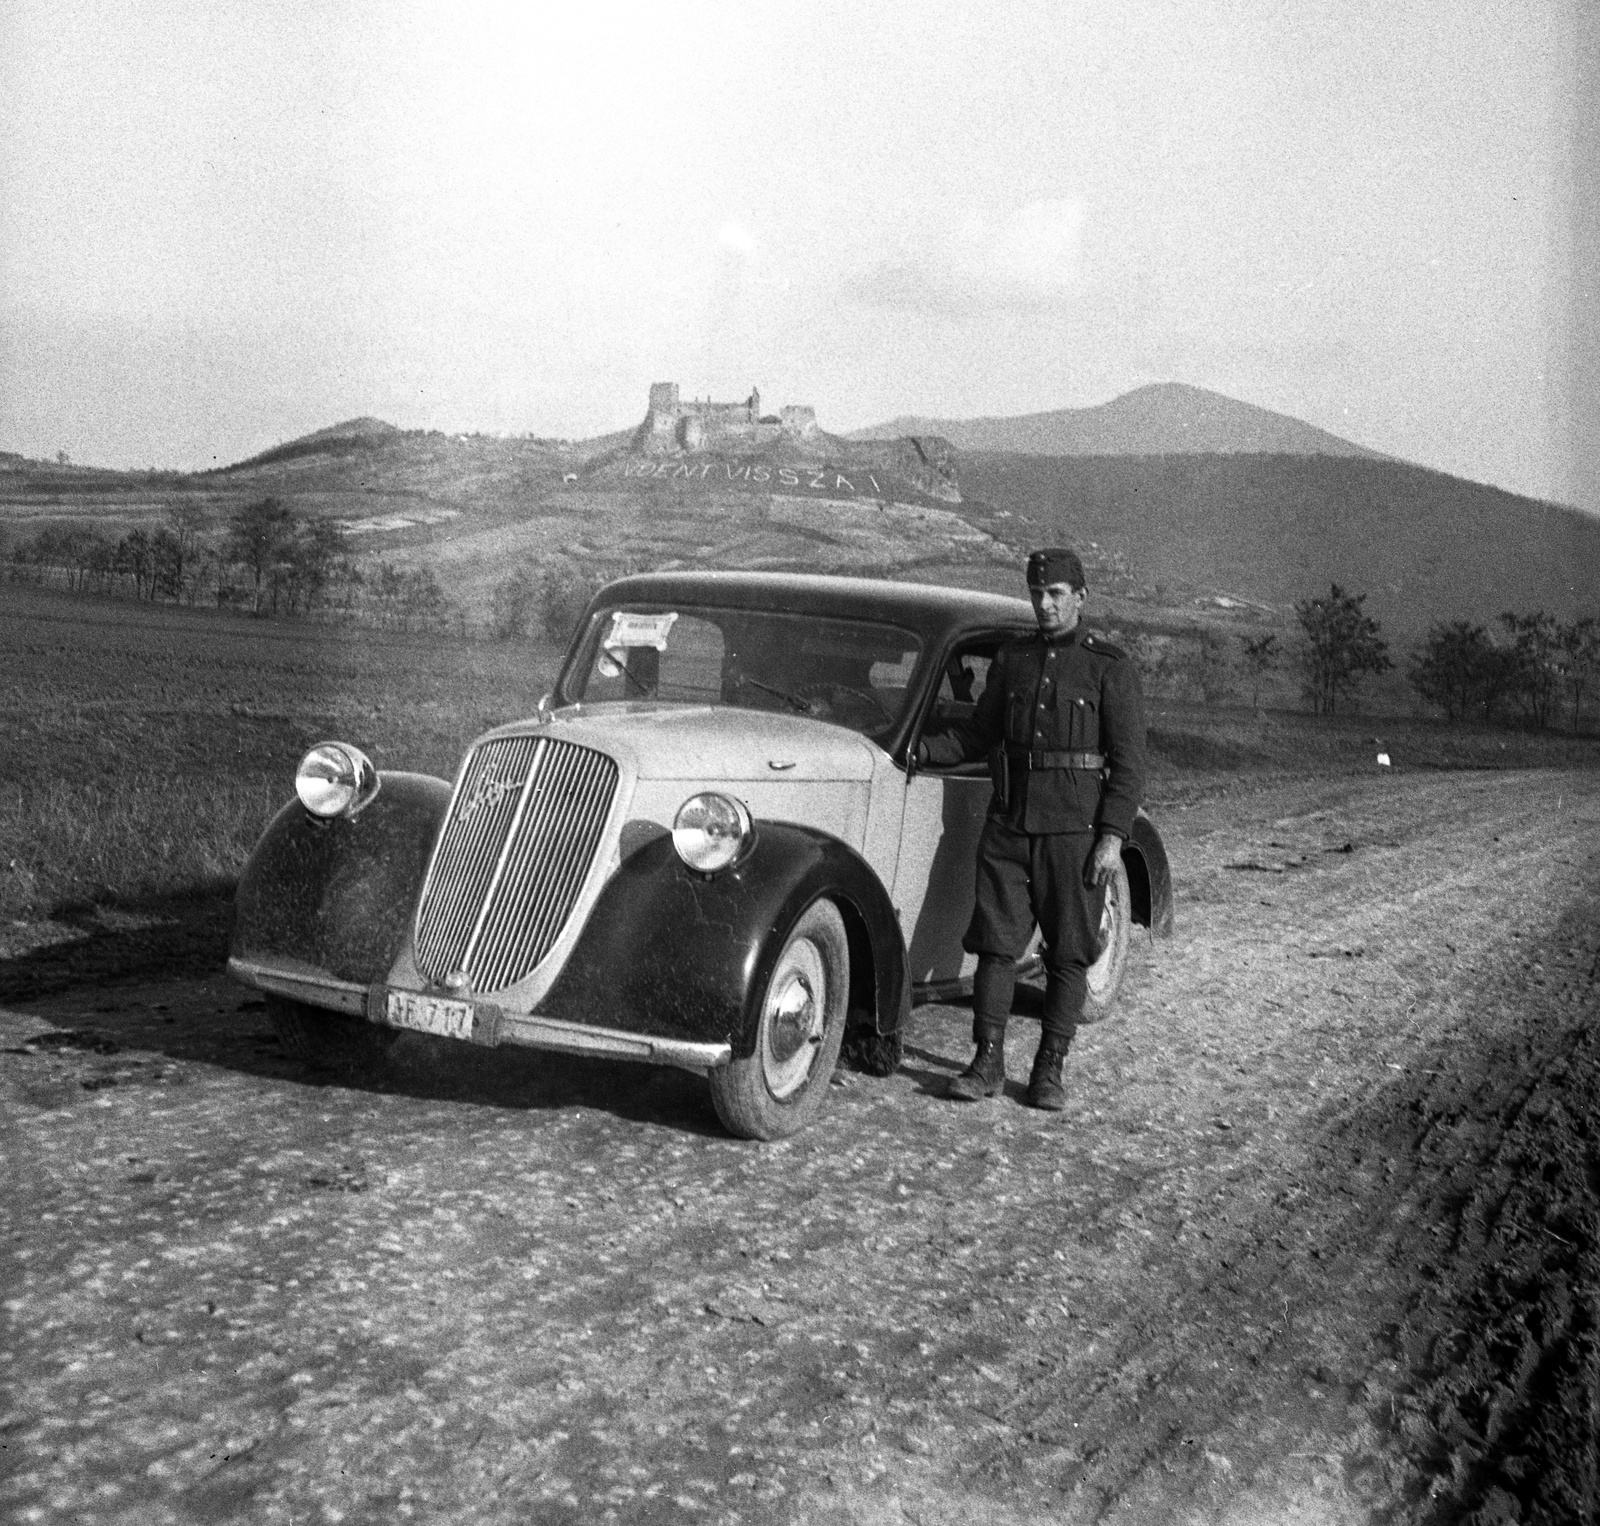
[(1088, 762)]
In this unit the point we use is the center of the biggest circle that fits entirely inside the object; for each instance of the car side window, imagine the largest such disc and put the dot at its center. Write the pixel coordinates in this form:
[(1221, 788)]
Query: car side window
[(961, 685)]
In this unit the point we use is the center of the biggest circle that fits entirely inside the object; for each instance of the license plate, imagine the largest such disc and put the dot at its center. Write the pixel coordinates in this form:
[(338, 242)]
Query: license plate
[(428, 1014)]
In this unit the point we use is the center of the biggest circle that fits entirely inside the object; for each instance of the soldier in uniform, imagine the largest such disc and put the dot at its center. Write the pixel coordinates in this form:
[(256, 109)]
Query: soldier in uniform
[(1062, 721)]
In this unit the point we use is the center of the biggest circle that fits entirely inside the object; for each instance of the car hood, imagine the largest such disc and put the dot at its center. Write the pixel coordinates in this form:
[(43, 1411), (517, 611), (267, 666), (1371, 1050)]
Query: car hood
[(717, 743)]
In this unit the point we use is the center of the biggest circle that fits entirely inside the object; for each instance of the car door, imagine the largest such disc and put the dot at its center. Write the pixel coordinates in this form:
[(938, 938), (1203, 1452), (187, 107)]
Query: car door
[(944, 813)]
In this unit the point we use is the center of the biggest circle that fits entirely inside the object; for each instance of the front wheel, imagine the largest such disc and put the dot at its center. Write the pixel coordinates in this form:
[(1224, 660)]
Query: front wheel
[(780, 1087), (1116, 933)]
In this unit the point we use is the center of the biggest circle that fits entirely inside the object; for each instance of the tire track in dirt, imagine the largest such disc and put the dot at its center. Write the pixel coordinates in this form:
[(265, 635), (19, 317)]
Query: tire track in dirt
[(1144, 1408), (492, 1288)]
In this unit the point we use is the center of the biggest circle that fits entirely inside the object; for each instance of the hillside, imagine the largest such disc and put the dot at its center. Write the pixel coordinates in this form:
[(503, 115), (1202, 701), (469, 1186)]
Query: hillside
[(1274, 528), (1166, 418), (472, 508), (1172, 541)]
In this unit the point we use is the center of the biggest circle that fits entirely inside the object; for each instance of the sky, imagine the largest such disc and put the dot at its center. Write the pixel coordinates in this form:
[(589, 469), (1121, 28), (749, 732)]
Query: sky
[(223, 225)]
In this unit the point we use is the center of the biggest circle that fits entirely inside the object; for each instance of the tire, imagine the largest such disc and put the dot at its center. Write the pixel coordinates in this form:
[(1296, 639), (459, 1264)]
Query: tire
[(781, 1086), (327, 1040), (1116, 934)]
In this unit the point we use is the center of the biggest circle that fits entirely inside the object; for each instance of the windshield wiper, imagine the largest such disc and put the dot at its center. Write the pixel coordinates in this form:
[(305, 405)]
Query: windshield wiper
[(634, 679), (793, 701)]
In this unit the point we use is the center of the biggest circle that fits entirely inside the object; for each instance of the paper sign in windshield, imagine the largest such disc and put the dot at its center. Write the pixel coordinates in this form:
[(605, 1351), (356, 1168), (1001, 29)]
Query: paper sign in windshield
[(629, 629)]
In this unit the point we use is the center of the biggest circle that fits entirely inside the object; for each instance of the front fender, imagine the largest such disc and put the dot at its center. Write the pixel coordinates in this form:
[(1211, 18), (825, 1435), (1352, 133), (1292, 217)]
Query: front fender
[(339, 895), (671, 952)]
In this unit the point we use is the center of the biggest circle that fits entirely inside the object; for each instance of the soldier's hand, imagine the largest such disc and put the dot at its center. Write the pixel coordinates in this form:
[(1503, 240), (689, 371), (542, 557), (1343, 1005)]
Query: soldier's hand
[(1107, 855)]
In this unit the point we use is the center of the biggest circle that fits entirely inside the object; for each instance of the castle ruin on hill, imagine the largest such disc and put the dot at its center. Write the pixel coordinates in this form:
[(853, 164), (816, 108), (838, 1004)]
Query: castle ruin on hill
[(673, 424), (785, 451)]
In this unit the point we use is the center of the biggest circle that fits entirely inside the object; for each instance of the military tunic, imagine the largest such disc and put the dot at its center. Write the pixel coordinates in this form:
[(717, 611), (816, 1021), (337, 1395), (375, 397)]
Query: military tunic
[(1063, 721)]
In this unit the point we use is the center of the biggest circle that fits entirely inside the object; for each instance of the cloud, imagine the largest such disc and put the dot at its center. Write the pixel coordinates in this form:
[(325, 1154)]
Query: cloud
[(1025, 261)]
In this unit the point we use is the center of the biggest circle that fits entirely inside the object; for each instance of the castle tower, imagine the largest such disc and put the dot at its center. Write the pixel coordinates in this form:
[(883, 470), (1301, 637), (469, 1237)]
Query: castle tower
[(662, 418)]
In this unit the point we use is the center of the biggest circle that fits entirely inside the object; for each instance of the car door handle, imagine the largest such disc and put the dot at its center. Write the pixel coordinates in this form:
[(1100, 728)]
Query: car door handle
[(780, 765)]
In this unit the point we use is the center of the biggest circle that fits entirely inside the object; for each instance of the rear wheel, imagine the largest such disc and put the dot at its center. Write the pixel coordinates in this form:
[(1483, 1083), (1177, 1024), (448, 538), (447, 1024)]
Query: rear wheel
[(1116, 933), (328, 1040), (780, 1087)]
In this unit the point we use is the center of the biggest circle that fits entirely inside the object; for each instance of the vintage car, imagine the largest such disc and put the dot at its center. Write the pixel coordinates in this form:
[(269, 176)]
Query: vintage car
[(710, 847)]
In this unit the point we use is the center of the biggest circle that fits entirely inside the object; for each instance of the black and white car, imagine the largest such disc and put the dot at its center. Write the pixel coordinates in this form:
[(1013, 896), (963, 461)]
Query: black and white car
[(709, 847)]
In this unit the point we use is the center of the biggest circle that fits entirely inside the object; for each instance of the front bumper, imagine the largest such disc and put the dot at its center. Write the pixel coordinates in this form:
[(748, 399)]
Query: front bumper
[(484, 1022)]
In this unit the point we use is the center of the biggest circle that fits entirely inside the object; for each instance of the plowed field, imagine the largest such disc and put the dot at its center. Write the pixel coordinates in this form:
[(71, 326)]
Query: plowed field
[(1314, 1241)]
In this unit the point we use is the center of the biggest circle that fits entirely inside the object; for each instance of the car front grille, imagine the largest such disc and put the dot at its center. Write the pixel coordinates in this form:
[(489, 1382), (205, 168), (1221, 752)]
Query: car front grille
[(524, 828)]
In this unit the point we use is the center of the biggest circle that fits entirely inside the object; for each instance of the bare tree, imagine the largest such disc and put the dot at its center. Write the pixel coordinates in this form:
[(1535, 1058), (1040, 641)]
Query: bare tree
[(135, 558), (315, 554), (1536, 641), (1579, 645), (1260, 658), (257, 537), (185, 522), (1341, 647)]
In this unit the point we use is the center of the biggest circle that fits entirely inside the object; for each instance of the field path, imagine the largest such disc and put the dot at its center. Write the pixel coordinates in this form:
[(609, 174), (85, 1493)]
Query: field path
[(1267, 1266)]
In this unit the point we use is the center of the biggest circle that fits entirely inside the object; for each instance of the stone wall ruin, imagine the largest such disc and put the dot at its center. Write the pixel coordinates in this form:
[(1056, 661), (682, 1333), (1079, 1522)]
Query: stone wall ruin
[(675, 424)]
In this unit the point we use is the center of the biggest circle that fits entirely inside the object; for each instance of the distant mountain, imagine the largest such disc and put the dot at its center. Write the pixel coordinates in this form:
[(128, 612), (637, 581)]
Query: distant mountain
[(1166, 418), (364, 428), (1271, 529)]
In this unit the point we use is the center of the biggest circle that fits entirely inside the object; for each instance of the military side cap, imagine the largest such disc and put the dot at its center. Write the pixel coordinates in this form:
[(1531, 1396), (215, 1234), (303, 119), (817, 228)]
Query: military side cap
[(1055, 564)]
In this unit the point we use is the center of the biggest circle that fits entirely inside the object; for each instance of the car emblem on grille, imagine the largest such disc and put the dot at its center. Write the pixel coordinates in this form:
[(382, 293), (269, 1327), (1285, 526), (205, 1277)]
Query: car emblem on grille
[(486, 792)]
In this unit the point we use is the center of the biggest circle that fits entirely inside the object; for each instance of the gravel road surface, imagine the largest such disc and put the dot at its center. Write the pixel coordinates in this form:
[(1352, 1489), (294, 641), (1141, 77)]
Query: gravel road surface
[(1314, 1241)]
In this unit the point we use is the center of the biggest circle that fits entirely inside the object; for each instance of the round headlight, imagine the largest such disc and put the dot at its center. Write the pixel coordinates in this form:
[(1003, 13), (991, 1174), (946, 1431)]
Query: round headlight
[(710, 831), (335, 779)]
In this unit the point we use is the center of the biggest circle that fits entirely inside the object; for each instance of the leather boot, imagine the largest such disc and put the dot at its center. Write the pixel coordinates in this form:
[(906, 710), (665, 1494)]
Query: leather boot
[(986, 1075), (1045, 1090)]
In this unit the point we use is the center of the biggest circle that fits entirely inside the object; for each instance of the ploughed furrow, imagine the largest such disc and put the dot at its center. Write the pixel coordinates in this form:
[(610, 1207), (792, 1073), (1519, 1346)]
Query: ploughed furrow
[(1501, 1419), (1491, 1152)]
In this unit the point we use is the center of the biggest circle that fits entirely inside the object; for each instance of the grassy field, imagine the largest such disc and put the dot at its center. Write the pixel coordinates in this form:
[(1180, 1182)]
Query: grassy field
[(142, 748)]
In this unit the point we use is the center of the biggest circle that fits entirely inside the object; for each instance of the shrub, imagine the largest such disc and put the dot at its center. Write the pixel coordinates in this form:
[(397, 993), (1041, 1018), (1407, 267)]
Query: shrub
[(1461, 671), (512, 604), (564, 594)]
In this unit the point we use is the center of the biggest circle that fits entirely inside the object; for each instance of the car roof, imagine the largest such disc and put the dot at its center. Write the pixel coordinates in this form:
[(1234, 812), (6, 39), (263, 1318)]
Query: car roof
[(928, 609)]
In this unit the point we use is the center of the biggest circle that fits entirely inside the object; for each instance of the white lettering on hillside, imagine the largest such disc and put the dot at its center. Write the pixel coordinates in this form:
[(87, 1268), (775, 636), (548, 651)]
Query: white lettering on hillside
[(824, 479)]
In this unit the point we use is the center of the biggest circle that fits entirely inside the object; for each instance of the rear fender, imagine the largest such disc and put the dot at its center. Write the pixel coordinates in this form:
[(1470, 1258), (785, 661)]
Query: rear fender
[(684, 955), (339, 895), (1149, 877)]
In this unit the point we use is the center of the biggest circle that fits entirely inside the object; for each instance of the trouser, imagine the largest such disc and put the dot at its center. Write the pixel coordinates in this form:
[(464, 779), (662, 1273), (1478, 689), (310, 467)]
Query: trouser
[(1026, 880)]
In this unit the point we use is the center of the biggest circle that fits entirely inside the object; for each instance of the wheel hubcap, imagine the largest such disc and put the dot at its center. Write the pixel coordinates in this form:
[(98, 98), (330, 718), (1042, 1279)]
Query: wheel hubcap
[(794, 1018)]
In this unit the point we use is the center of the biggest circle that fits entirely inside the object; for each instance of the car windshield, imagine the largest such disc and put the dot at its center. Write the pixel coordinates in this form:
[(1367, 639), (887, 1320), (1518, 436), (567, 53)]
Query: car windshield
[(855, 673)]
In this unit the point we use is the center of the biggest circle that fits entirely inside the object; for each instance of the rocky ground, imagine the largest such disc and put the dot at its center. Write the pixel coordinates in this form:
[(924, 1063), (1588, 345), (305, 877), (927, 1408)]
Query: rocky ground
[(1315, 1240)]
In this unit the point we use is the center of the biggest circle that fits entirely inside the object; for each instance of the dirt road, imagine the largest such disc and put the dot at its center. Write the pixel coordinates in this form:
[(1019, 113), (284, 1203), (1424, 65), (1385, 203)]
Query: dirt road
[(1315, 1239)]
